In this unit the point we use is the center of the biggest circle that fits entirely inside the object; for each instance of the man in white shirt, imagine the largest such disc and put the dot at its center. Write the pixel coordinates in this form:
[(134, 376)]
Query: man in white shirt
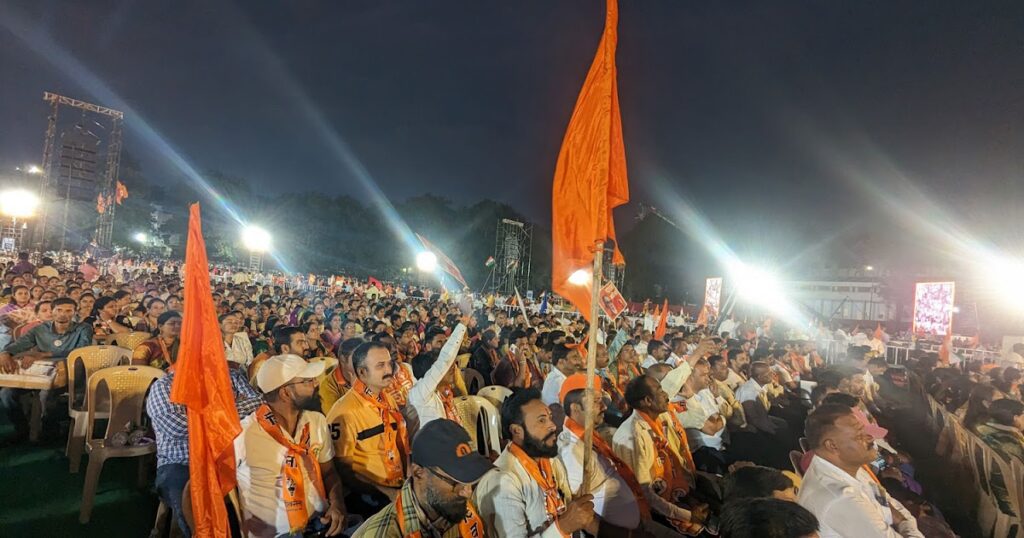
[(433, 393), (566, 361), (286, 477), (657, 352), (1015, 357), (839, 491), (529, 494)]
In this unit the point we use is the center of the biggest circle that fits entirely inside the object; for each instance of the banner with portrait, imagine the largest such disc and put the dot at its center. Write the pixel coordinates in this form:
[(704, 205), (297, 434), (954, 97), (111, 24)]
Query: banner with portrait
[(933, 308)]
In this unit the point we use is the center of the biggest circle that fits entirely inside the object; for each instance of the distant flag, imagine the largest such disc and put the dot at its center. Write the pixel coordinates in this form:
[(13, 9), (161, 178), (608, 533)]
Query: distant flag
[(544, 303), (121, 194), (702, 318), (101, 206), (659, 333), (375, 283), (946, 349), (446, 263), (201, 383), (879, 333), (490, 262), (590, 175)]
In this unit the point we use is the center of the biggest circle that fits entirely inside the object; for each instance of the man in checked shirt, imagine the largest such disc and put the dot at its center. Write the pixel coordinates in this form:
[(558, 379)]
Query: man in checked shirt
[(170, 422)]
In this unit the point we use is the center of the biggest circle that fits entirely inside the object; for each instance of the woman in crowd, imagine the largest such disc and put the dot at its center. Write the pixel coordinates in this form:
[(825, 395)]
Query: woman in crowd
[(105, 320), (162, 351), (333, 333), (975, 412), (1009, 383), (20, 298)]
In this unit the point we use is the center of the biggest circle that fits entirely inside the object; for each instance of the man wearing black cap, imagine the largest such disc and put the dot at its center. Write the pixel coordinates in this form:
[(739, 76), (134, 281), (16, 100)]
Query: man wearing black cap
[(435, 501)]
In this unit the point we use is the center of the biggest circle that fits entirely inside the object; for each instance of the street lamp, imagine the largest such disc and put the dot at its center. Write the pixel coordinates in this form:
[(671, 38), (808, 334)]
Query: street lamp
[(16, 204), (256, 241)]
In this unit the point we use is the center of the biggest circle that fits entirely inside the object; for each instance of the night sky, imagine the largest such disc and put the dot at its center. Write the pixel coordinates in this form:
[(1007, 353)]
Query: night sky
[(781, 122)]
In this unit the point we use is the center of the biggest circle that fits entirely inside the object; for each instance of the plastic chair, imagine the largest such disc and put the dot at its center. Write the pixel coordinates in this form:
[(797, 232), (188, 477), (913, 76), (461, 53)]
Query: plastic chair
[(93, 359), (804, 444), (474, 381), (794, 459), (495, 394), (127, 387), (474, 409), (130, 340)]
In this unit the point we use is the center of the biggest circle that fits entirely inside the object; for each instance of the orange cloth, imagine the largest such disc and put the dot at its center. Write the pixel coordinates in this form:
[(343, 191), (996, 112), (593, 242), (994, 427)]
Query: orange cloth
[(620, 467), (202, 385), (577, 382), (590, 176), (541, 473), (396, 440), (659, 333), (293, 492)]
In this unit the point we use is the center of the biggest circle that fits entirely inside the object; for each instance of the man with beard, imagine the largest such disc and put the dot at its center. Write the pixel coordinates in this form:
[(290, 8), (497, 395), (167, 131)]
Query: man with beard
[(369, 431), (283, 457), (650, 444), (529, 495), (288, 340), (435, 501)]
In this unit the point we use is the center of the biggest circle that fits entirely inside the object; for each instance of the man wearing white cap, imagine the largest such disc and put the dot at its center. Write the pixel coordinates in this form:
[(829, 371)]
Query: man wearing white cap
[(286, 477)]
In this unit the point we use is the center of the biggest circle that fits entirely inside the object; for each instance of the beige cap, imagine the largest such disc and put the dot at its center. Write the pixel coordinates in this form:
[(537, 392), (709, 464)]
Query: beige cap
[(279, 370)]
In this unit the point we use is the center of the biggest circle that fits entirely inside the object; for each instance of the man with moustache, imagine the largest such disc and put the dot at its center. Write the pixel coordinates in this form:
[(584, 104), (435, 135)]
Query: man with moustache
[(528, 494), (435, 501), (369, 431)]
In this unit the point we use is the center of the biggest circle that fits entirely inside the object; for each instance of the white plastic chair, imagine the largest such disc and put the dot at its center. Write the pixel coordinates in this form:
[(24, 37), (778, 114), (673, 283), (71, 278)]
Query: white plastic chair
[(495, 394), (472, 410)]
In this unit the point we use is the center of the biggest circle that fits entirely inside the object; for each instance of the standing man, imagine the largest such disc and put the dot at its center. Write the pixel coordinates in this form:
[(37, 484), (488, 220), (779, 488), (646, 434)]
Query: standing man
[(657, 352), (436, 499), (433, 394), (286, 480), (529, 495)]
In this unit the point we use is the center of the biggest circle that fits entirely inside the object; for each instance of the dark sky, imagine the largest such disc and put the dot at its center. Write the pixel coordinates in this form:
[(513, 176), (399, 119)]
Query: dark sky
[(777, 120)]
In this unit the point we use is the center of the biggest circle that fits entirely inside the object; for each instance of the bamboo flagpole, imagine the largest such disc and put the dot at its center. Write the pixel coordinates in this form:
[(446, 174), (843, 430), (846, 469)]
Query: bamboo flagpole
[(588, 395)]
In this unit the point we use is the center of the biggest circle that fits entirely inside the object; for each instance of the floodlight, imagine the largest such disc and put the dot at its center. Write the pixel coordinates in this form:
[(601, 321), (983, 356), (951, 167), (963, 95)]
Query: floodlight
[(18, 203), (580, 278), (255, 239), (426, 261), (140, 237)]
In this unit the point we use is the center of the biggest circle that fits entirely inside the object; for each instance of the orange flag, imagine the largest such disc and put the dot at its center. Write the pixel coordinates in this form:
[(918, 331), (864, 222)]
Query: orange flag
[(879, 333), (659, 333), (945, 349), (590, 177), (702, 318), (202, 385)]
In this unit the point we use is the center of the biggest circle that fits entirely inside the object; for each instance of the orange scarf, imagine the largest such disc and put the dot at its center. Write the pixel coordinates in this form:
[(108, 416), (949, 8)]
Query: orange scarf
[(667, 466), (542, 473), (448, 402), (673, 414), (396, 440), (400, 385), (339, 377), (470, 527), (620, 466), (293, 488)]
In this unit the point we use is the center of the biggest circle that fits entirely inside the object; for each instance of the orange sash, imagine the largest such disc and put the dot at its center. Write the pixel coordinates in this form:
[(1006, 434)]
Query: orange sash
[(470, 527), (396, 441), (400, 385), (293, 487), (528, 382), (620, 466), (673, 415), (541, 472), (667, 468), (448, 402), (339, 377)]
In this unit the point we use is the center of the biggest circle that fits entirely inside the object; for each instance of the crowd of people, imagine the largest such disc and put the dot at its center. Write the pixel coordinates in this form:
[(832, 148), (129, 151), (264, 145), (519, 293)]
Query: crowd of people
[(348, 398)]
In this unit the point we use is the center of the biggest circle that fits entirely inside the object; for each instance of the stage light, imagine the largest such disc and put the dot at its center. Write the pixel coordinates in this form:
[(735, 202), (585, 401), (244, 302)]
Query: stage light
[(255, 239), (758, 286), (580, 278), (140, 237), (1005, 279), (33, 169), (18, 203), (426, 261), (869, 268)]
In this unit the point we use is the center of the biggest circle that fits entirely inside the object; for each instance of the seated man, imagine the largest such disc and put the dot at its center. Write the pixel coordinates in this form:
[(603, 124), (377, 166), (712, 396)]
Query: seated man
[(767, 518), (369, 431), (698, 412), (170, 423), (516, 369), (338, 382), (619, 501), (755, 481), (773, 432), (720, 371), (837, 489), (649, 443), (287, 341), (287, 484), (528, 494), (433, 393), (435, 500), (48, 340), (567, 361)]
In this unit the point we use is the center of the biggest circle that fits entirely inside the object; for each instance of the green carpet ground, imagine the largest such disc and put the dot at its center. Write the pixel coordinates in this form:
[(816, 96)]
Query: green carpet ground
[(39, 497)]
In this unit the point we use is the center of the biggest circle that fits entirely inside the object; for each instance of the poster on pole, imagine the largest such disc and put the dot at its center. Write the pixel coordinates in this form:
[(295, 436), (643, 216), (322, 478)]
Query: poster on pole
[(713, 296), (612, 302), (933, 308)]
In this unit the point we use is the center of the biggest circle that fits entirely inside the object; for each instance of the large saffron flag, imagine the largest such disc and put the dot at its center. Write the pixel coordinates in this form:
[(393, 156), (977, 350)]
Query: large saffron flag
[(590, 176), (202, 385), (659, 333), (446, 263)]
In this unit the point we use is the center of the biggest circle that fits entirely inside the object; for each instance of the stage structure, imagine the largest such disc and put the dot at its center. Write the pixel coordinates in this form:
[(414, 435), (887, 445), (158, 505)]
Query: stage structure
[(513, 253), (72, 171)]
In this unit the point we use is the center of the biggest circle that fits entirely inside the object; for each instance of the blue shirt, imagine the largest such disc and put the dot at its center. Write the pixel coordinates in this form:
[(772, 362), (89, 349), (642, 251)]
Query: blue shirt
[(170, 420)]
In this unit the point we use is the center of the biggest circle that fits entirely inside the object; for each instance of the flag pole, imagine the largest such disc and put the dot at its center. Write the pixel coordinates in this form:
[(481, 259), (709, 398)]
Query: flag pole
[(588, 395)]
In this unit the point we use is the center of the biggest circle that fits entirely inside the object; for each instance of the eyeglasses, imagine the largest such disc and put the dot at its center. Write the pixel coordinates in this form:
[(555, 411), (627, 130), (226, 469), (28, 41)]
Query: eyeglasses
[(455, 484)]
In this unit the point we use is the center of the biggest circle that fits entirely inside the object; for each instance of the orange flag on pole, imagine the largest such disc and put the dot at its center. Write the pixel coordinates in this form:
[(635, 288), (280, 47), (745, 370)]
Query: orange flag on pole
[(202, 385), (659, 333), (945, 349), (590, 177)]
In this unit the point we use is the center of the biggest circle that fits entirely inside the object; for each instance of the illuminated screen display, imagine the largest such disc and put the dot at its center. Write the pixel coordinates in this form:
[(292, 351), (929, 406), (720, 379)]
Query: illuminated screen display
[(933, 308)]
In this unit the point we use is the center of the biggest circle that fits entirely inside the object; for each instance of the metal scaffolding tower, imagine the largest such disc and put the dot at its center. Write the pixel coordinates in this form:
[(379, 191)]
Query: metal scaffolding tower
[(513, 254), (48, 188)]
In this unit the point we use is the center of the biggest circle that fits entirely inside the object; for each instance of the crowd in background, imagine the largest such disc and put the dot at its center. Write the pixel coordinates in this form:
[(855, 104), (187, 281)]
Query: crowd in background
[(350, 396)]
